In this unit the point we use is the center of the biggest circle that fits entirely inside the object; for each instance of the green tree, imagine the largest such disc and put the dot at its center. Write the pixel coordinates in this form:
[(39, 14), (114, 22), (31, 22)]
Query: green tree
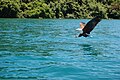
[(9, 8), (60, 8)]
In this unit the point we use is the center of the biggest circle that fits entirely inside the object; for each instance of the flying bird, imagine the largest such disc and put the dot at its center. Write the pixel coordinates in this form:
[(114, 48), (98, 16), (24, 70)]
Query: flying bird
[(90, 26)]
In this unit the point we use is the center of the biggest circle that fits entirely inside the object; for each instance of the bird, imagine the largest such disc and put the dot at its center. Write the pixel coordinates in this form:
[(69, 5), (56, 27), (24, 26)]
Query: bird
[(90, 26)]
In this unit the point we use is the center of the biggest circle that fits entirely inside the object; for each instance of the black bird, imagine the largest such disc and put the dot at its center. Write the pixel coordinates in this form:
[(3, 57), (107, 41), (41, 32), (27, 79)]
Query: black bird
[(90, 26)]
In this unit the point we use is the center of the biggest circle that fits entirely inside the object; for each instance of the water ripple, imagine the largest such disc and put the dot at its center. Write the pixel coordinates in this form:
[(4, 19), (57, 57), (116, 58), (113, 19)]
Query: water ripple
[(47, 49)]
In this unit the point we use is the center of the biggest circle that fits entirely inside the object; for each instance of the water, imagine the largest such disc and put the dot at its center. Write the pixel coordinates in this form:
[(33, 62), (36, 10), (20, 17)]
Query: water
[(48, 50)]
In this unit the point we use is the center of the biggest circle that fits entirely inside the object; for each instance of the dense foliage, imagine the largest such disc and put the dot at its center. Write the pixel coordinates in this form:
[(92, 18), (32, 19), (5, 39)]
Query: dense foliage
[(59, 8)]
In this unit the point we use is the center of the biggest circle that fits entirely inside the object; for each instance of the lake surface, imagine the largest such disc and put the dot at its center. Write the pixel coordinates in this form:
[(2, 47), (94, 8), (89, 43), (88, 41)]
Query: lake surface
[(46, 49)]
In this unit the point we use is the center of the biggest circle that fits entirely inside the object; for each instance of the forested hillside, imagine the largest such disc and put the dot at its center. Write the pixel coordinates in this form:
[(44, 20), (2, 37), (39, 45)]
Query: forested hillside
[(59, 8)]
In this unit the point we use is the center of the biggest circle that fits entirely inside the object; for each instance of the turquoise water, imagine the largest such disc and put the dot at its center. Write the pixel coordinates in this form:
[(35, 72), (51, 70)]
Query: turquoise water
[(48, 50)]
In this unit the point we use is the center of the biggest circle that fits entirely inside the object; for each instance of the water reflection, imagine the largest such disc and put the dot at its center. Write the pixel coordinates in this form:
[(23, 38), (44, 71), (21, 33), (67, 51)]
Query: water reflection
[(91, 49)]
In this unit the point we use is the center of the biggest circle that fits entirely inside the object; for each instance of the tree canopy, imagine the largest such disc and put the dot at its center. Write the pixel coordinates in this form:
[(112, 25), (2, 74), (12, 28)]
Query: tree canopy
[(59, 8)]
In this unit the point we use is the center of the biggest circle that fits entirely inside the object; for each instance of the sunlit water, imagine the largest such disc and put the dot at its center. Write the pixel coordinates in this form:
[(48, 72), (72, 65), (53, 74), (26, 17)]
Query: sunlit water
[(48, 50)]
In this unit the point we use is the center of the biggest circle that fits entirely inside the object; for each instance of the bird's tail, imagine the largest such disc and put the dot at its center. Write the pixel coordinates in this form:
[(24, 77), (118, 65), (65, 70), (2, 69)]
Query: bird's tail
[(83, 34)]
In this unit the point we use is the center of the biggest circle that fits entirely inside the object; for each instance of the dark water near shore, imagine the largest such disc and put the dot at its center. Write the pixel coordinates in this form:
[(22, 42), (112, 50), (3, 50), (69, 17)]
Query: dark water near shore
[(48, 50)]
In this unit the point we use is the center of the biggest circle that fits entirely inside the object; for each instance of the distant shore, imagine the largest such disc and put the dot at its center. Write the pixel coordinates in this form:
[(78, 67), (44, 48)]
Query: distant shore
[(65, 9)]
